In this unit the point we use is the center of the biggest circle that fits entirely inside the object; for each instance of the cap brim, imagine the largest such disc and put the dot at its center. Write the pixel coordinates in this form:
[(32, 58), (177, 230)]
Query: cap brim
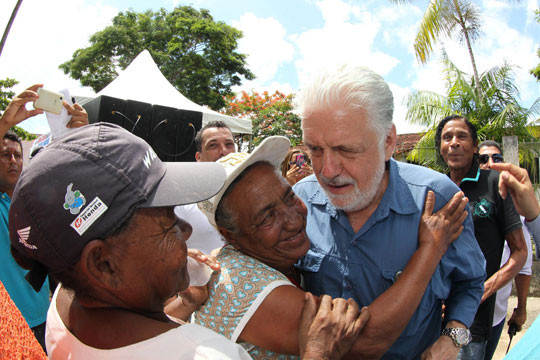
[(273, 150), (186, 183)]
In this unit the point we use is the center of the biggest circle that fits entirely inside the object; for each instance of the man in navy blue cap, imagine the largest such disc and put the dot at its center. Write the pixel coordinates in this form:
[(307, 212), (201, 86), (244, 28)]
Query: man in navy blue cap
[(33, 305)]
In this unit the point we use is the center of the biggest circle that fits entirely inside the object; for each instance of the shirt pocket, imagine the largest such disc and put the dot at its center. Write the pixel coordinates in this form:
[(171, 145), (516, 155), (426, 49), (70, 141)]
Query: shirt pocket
[(310, 265), (429, 310)]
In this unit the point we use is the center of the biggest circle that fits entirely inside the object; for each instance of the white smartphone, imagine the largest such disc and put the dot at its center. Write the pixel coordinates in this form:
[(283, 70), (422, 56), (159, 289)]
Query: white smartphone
[(49, 101)]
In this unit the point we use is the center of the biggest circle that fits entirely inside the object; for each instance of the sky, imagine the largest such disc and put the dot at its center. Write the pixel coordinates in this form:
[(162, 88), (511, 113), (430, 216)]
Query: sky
[(286, 41)]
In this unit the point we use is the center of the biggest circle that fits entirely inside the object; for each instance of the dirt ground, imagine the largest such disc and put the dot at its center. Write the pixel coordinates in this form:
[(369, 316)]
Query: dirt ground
[(533, 310)]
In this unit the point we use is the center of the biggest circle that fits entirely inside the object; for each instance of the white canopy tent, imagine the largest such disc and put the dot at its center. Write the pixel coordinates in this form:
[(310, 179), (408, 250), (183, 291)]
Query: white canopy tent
[(143, 81)]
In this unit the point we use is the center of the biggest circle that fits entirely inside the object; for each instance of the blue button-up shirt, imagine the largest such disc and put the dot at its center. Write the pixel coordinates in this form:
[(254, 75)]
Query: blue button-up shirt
[(364, 264)]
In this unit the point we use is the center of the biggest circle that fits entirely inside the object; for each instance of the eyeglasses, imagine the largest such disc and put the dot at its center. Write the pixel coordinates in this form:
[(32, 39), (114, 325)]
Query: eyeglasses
[(496, 158)]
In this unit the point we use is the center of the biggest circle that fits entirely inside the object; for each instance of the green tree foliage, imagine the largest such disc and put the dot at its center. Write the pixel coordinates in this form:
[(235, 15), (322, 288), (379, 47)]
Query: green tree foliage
[(536, 71), (195, 53), (270, 115), (5, 97), (5, 92), (23, 134), (495, 111)]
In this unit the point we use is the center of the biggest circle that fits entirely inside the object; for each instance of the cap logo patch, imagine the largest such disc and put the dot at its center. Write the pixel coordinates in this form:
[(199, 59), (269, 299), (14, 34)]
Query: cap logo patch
[(149, 157), (74, 200), (24, 234), (90, 214)]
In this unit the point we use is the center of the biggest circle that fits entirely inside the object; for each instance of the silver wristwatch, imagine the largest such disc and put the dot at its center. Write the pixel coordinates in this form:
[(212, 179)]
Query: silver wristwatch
[(460, 336)]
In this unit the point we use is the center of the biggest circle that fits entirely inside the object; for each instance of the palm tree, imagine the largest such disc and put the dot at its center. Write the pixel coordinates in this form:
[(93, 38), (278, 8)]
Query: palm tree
[(445, 18), (495, 110)]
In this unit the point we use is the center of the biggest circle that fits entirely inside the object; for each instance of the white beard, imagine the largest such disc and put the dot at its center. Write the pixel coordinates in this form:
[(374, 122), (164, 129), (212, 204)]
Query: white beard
[(356, 199)]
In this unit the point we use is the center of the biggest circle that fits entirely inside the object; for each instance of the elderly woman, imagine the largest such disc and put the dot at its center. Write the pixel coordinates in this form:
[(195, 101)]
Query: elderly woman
[(257, 298), (95, 210)]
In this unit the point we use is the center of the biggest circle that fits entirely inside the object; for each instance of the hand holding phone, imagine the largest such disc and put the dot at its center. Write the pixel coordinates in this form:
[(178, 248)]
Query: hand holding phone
[(300, 160), (49, 101)]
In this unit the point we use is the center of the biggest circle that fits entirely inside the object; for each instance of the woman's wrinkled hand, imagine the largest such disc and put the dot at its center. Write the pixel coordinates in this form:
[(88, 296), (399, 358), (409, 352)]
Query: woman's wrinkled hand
[(209, 260), (329, 331), (444, 226)]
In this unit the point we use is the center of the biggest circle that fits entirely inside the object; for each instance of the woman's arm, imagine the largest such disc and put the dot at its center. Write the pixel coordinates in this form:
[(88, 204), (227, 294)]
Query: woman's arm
[(183, 304), (275, 323)]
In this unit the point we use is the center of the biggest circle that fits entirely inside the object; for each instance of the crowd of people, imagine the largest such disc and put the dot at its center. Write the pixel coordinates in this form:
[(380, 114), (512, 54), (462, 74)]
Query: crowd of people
[(334, 250)]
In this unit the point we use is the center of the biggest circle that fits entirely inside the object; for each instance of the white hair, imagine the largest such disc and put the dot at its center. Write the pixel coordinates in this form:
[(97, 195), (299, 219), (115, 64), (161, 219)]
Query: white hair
[(356, 87)]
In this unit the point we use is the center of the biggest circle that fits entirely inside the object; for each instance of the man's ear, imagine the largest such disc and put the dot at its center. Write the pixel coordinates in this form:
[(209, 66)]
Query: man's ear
[(99, 266), (390, 143), (198, 156)]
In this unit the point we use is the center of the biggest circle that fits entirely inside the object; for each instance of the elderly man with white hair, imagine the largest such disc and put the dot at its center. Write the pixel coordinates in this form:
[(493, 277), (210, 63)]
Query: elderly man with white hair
[(363, 214)]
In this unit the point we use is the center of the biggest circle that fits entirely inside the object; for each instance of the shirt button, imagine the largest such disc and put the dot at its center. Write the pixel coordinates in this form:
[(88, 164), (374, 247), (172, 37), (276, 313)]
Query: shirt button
[(353, 243), (348, 287)]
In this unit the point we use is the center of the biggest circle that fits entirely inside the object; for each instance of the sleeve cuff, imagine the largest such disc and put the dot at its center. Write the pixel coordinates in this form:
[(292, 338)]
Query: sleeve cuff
[(534, 226)]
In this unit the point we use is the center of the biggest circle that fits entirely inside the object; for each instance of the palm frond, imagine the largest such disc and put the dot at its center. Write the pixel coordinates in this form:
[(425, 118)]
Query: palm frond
[(425, 154), (426, 108), (472, 21), (431, 28), (534, 111)]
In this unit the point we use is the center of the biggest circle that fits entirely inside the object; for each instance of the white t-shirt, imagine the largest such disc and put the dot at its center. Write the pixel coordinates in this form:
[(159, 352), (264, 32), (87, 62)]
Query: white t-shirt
[(188, 341), (204, 237), (501, 303)]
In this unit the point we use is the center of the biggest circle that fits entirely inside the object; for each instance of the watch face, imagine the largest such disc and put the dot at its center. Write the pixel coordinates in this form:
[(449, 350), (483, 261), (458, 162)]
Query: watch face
[(462, 336)]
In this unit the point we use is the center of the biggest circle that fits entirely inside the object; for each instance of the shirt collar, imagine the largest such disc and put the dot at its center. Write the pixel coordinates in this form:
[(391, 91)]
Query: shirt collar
[(473, 174), (319, 198), (397, 196)]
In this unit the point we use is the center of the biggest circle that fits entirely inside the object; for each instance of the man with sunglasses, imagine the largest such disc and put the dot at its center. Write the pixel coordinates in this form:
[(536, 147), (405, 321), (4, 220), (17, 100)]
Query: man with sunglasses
[(489, 153), (485, 159), (495, 219)]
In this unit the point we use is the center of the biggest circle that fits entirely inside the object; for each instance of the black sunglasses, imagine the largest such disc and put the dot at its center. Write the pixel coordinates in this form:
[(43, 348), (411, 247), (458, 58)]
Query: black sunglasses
[(496, 158)]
